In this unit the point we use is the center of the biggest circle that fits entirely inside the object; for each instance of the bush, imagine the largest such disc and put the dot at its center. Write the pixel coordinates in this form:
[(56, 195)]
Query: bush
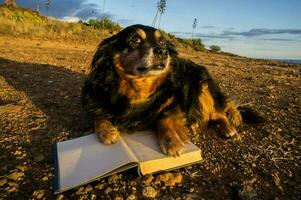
[(215, 48), (196, 44), (105, 24)]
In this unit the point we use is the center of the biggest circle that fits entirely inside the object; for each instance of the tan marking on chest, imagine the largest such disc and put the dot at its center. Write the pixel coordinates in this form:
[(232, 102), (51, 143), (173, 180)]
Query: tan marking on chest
[(138, 90)]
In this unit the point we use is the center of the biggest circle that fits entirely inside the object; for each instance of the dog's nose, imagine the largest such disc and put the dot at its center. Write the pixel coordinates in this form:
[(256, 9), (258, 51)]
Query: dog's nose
[(162, 53)]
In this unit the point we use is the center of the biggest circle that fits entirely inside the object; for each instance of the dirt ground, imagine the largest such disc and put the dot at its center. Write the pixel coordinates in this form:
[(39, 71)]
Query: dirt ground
[(40, 83)]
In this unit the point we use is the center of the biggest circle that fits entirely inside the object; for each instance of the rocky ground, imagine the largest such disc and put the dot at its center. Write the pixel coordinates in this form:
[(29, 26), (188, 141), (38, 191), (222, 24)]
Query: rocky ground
[(40, 83)]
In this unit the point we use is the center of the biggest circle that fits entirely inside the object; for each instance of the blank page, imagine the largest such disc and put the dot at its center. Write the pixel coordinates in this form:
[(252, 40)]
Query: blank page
[(84, 159), (145, 146)]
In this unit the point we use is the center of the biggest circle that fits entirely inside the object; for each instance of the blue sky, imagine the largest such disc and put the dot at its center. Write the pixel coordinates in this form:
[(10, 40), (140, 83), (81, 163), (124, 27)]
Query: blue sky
[(253, 28)]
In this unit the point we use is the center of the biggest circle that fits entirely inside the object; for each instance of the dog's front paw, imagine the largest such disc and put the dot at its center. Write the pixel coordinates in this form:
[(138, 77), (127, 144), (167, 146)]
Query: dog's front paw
[(228, 132), (234, 115), (171, 146), (106, 131)]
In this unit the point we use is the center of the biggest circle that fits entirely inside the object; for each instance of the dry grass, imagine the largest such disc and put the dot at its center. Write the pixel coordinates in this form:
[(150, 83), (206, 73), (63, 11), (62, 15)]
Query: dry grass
[(27, 23)]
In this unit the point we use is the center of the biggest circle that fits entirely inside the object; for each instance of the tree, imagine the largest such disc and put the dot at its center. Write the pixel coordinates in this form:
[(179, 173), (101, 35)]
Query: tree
[(215, 48), (10, 3), (161, 5), (194, 24), (47, 5), (161, 8), (37, 5)]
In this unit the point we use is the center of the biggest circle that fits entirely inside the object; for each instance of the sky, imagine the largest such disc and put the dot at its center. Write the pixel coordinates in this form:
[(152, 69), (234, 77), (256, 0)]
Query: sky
[(253, 28)]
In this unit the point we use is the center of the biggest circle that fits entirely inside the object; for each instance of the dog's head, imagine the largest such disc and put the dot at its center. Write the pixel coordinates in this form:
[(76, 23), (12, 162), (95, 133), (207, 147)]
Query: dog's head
[(139, 50)]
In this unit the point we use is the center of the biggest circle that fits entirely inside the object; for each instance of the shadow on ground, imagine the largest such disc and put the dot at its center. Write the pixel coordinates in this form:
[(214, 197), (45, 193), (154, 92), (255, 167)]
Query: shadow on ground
[(54, 91)]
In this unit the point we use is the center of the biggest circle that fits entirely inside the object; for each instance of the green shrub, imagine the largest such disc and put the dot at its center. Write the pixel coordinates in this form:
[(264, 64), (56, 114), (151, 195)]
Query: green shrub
[(215, 48), (105, 24), (195, 44)]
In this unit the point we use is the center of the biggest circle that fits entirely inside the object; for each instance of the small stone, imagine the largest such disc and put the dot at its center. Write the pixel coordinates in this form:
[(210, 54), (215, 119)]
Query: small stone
[(21, 167), (80, 191), (148, 179), (17, 152), (118, 198), (100, 186), (38, 194), (45, 178), (93, 197), (108, 190), (15, 175), (190, 196), (131, 197), (191, 189), (133, 183), (169, 179), (113, 179), (277, 181), (39, 158), (3, 181), (11, 189), (247, 193), (88, 188), (149, 192), (60, 197), (12, 184)]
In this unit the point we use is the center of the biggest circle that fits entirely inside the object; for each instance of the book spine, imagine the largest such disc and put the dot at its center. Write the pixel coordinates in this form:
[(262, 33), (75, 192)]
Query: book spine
[(56, 170)]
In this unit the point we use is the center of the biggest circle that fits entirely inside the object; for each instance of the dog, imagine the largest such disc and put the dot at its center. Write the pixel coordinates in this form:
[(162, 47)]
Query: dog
[(137, 81)]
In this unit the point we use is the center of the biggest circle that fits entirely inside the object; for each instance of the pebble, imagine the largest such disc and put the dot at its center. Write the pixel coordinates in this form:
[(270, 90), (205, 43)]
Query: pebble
[(149, 192), (60, 197), (108, 190), (88, 188), (11, 189), (3, 181), (93, 197), (247, 193), (148, 179), (15, 175), (100, 186), (114, 178), (80, 191), (21, 167), (131, 197), (39, 194), (38, 158), (169, 179)]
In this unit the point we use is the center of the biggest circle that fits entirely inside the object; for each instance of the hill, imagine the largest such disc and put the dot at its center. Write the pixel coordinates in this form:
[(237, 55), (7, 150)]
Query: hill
[(22, 22)]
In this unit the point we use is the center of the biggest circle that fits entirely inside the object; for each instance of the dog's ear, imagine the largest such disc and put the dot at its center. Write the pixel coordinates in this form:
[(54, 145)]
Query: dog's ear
[(103, 50), (171, 48)]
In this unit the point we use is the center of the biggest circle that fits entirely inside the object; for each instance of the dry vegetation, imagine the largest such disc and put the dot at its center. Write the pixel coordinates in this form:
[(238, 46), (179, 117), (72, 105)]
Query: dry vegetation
[(40, 82)]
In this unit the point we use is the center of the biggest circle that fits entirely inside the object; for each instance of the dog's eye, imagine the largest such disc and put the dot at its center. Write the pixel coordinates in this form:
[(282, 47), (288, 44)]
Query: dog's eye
[(136, 39)]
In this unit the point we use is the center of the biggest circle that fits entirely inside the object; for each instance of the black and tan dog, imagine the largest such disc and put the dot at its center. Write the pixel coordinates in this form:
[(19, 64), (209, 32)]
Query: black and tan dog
[(137, 82)]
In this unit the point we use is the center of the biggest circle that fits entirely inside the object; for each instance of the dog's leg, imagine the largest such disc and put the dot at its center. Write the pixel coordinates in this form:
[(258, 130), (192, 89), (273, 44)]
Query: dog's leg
[(233, 114), (106, 131), (173, 135), (225, 128)]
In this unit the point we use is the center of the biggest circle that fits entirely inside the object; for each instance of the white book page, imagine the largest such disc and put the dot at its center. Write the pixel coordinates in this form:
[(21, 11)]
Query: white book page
[(145, 146), (83, 159)]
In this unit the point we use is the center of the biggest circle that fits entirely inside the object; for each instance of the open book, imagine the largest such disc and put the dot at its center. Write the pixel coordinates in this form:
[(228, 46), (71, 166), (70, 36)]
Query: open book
[(85, 159)]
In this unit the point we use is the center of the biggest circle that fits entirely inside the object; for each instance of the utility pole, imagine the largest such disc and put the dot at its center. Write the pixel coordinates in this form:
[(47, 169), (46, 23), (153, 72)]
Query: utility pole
[(194, 24)]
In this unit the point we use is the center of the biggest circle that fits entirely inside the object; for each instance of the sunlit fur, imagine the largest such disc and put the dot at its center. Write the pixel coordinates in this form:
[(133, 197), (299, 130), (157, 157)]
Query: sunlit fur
[(138, 82)]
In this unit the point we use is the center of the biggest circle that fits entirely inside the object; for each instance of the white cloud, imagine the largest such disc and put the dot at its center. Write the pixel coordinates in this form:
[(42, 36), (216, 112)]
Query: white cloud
[(70, 19)]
